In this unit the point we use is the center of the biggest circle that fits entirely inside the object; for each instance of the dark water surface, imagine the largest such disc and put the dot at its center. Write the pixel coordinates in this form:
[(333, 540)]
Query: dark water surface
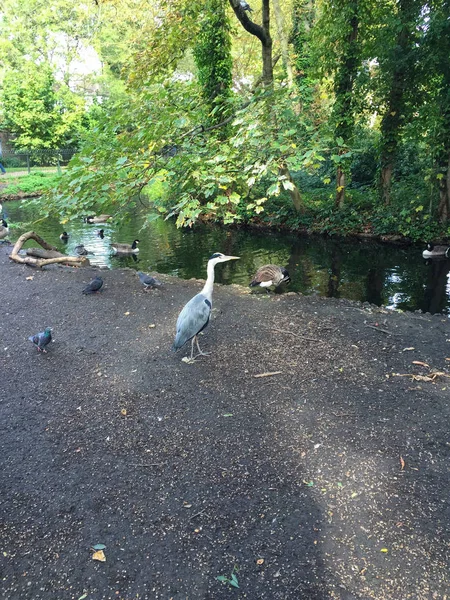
[(367, 271)]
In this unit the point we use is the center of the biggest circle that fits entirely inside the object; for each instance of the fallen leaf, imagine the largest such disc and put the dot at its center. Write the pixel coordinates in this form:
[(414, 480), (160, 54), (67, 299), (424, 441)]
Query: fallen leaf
[(152, 326), (447, 359), (78, 450), (187, 505), (99, 555), (406, 349), (82, 597), (227, 415), (123, 412), (402, 462), (384, 550), (260, 561), (420, 363), (127, 313), (30, 278), (99, 547)]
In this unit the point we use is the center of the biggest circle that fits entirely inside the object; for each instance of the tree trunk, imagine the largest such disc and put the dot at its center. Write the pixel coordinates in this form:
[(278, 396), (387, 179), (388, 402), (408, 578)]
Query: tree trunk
[(283, 41), (340, 188), (294, 193), (262, 33), (444, 196), (343, 89), (385, 181), (402, 78)]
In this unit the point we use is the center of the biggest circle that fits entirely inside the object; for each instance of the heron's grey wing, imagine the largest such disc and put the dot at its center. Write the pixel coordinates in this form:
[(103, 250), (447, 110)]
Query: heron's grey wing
[(192, 319)]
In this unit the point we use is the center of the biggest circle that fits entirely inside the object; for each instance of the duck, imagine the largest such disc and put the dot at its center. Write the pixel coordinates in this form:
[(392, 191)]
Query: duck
[(4, 229), (125, 248), (433, 251), (81, 250), (64, 236), (97, 219), (270, 276), (100, 233)]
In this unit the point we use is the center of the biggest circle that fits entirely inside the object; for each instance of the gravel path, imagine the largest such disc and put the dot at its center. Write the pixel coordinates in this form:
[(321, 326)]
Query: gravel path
[(328, 479)]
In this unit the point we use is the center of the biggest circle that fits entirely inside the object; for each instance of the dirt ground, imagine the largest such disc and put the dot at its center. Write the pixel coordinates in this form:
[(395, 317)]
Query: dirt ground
[(329, 479)]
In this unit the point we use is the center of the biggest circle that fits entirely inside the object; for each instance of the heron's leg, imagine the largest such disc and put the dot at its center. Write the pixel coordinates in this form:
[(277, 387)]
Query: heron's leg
[(200, 353)]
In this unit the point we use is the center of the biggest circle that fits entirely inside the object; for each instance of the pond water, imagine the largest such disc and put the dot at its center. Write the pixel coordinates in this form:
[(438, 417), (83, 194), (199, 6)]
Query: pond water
[(368, 271)]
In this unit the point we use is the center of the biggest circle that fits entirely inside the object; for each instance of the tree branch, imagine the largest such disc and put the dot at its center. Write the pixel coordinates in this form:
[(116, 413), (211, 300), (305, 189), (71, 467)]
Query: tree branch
[(247, 23)]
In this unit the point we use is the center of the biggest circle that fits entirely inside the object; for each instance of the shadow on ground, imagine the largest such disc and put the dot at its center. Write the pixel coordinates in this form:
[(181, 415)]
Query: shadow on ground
[(327, 480)]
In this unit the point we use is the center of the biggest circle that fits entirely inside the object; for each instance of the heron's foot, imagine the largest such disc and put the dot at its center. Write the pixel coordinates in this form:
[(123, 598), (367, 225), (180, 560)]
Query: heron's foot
[(190, 360), (201, 353)]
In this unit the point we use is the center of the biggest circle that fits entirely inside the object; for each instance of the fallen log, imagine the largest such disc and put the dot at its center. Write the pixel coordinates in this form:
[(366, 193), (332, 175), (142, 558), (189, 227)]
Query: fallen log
[(75, 261), (41, 253)]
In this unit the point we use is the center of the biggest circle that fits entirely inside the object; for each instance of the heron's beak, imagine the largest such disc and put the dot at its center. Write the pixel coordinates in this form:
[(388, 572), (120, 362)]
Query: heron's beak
[(232, 257)]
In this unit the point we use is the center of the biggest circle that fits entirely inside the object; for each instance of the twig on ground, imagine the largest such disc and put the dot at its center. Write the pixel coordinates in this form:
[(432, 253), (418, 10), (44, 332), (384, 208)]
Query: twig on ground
[(380, 329), (197, 514), (268, 374)]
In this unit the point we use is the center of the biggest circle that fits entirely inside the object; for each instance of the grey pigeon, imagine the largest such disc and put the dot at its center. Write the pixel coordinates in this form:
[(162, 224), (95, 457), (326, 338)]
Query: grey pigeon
[(148, 281), (93, 286), (245, 5), (41, 339)]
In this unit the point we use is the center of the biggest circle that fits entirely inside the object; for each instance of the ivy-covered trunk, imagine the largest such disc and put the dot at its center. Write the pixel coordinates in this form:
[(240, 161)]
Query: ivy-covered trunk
[(212, 53), (343, 88), (444, 195), (400, 68)]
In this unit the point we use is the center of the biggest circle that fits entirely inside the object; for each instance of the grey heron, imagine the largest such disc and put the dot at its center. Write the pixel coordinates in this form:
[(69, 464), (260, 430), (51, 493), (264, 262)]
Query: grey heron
[(125, 248), (195, 315), (433, 251), (270, 276)]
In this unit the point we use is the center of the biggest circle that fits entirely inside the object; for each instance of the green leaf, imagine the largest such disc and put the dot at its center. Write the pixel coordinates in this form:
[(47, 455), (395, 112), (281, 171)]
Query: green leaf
[(99, 547), (222, 578), (273, 190), (234, 581), (288, 185)]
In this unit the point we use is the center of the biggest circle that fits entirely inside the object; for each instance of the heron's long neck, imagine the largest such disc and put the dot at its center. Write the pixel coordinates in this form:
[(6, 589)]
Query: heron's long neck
[(208, 287)]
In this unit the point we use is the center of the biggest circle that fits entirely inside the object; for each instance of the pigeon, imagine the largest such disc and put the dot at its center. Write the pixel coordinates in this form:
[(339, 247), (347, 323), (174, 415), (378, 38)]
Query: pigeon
[(245, 5), (94, 286), (41, 339), (148, 281)]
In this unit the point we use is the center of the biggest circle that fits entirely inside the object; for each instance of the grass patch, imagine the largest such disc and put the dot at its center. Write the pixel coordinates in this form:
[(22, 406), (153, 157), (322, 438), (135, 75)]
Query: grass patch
[(27, 184)]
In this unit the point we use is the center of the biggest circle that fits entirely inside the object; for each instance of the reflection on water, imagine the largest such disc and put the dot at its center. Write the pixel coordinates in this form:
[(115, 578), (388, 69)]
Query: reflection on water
[(366, 271)]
